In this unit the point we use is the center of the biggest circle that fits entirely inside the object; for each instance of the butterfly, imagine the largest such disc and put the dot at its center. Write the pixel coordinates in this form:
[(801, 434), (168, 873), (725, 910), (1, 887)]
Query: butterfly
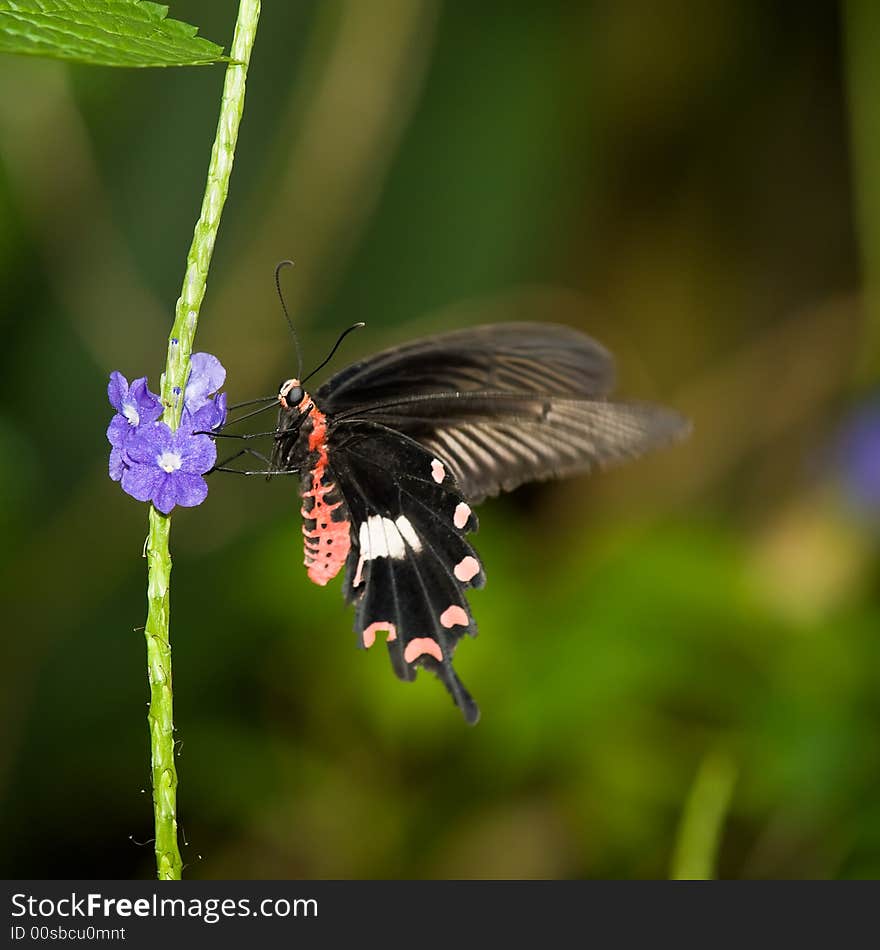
[(395, 451)]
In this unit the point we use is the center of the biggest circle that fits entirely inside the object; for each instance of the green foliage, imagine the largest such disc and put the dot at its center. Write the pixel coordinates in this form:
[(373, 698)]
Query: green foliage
[(102, 33), (687, 201), (861, 21)]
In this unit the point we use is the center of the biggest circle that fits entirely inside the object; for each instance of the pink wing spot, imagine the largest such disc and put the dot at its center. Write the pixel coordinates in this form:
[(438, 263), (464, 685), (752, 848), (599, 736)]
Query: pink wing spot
[(462, 513), (467, 568), (454, 615), (369, 634), (420, 647), (438, 471)]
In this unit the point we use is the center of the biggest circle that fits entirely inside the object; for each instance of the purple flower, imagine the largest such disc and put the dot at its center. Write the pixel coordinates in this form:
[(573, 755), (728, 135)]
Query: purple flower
[(166, 467), (859, 456), (206, 376), (211, 415), (152, 462), (135, 405)]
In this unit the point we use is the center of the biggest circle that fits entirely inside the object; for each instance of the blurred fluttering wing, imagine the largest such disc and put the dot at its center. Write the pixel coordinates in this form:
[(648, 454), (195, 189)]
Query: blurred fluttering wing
[(503, 404), (498, 357)]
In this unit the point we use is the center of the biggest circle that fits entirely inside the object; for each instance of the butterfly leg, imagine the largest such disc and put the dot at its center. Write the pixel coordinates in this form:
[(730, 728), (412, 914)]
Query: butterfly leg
[(232, 435), (268, 472), (263, 472)]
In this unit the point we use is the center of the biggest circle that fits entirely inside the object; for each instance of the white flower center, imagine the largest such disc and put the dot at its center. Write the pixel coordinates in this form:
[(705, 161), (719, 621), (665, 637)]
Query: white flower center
[(168, 461), (129, 410)]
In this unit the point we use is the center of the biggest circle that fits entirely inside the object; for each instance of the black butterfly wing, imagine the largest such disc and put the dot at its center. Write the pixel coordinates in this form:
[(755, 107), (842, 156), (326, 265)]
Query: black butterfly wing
[(502, 404), (409, 564), (505, 357)]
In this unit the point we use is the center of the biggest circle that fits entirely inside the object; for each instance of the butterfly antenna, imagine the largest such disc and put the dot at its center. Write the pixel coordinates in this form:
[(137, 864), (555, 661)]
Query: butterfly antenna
[(342, 336), (252, 402), (278, 270)]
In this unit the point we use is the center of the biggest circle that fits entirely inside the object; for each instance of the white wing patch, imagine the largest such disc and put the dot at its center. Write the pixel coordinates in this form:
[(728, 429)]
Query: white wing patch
[(408, 533), (382, 537), (379, 537)]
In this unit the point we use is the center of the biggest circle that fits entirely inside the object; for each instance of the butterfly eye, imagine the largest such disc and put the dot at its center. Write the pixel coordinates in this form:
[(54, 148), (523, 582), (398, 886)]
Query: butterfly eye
[(293, 397), (290, 394)]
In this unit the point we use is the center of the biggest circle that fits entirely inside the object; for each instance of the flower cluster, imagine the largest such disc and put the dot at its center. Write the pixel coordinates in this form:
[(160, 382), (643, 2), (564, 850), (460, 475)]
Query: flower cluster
[(154, 463)]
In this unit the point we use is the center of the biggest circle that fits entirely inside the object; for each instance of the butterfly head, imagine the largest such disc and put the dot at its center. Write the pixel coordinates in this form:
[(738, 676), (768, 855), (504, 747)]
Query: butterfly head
[(291, 396), (294, 406)]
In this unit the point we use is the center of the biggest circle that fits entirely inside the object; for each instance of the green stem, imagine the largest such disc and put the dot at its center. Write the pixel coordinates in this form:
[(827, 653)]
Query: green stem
[(180, 343), (161, 714), (699, 834)]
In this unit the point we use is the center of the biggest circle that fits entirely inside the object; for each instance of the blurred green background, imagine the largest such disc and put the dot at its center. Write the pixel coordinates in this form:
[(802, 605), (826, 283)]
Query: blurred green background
[(684, 649)]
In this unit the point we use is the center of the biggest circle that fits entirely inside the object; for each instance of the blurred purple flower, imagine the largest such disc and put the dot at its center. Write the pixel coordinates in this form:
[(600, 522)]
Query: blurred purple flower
[(166, 467), (135, 405), (859, 456)]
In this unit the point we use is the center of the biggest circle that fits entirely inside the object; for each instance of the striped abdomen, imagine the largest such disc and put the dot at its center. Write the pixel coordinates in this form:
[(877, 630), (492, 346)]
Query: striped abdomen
[(326, 524)]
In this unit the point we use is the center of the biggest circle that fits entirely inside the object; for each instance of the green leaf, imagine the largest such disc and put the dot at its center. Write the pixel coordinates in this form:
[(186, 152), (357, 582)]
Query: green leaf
[(103, 33)]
